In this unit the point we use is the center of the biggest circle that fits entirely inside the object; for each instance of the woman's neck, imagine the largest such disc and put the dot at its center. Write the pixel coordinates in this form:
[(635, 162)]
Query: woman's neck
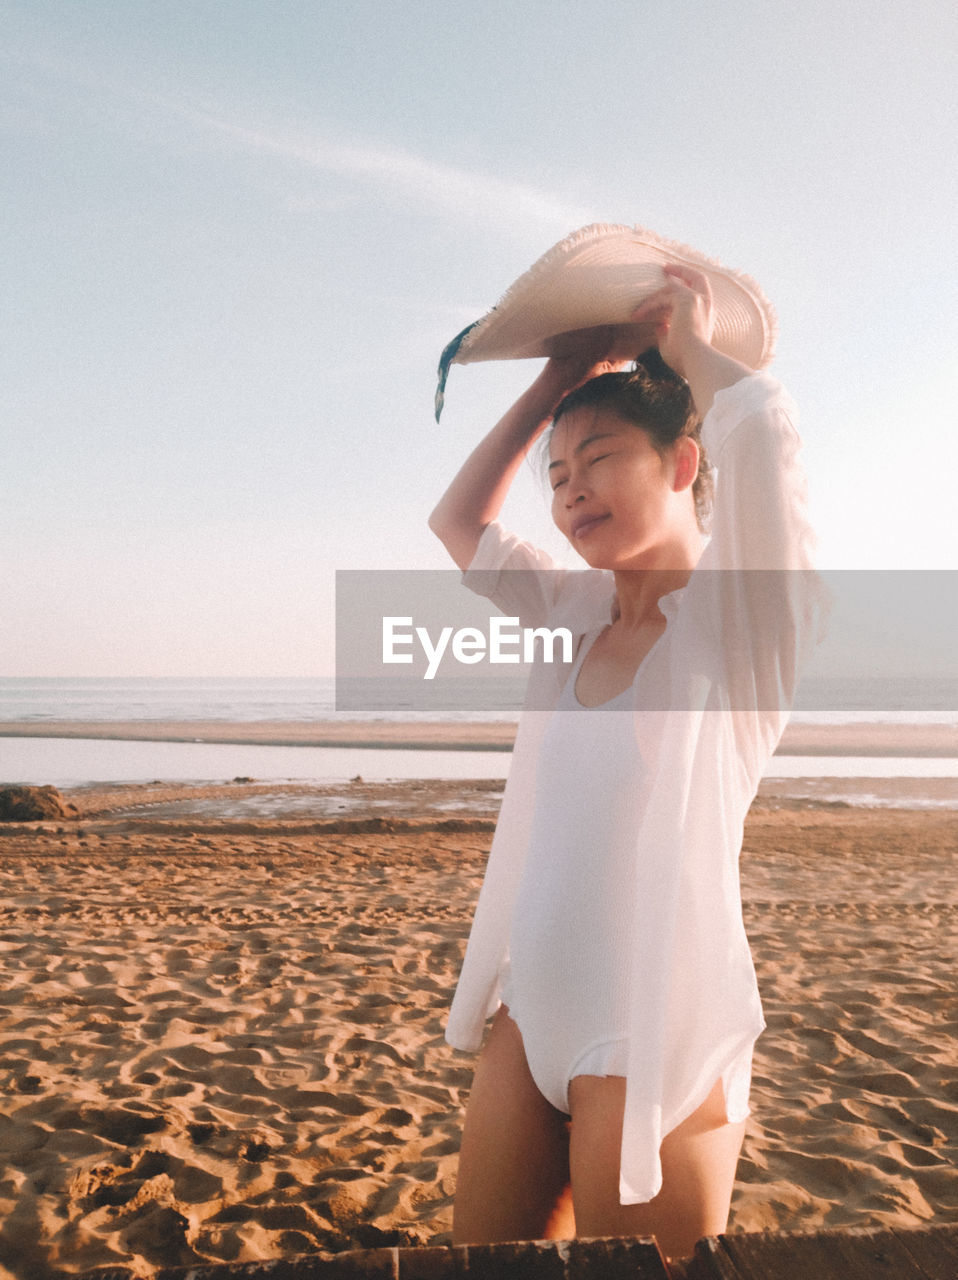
[(639, 589)]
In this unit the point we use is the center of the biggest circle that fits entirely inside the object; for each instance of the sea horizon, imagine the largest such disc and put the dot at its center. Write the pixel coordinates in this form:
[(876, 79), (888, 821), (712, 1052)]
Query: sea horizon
[(251, 699)]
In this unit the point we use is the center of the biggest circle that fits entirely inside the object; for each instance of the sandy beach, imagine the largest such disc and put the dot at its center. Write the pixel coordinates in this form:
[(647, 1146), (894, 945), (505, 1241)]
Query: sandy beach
[(881, 739), (222, 1011)]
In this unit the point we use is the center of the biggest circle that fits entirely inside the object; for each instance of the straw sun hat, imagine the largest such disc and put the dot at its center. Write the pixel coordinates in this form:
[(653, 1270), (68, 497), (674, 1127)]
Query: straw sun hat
[(598, 276)]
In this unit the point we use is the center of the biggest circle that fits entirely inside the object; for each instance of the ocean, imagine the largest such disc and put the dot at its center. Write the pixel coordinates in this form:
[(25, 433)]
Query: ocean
[(167, 698), (303, 699), (73, 761)]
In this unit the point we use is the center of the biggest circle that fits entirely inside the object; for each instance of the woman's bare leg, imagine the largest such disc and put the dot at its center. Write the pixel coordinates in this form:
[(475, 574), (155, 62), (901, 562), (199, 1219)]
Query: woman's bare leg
[(698, 1169), (513, 1181)]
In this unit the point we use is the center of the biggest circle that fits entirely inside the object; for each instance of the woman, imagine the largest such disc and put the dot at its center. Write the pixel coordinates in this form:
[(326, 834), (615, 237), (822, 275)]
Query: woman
[(611, 1094)]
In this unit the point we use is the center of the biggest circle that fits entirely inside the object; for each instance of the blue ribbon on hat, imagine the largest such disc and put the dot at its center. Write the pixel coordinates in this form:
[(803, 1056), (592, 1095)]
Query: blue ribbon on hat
[(449, 353)]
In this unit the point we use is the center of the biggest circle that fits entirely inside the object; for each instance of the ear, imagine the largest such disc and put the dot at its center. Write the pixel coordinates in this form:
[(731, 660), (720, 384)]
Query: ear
[(686, 462)]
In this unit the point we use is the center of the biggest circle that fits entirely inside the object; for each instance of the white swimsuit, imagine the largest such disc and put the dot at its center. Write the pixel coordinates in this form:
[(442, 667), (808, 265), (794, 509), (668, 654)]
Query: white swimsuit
[(567, 977)]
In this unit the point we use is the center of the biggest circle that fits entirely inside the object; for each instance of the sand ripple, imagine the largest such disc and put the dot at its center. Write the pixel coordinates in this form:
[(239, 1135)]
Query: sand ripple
[(227, 1053), (228, 1046)]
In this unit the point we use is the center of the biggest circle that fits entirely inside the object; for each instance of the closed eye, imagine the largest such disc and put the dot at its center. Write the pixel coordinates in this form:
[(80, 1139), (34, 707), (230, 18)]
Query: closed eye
[(601, 457)]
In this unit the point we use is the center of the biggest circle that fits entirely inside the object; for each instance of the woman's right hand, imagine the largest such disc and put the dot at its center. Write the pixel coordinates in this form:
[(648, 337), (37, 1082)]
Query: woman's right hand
[(588, 353)]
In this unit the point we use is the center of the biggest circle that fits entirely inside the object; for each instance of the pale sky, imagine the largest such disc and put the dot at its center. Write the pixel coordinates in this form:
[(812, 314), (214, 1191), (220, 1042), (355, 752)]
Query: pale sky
[(238, 233)]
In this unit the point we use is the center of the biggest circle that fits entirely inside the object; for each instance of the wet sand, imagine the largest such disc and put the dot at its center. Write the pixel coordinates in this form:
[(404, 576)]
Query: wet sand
[(222, 1012), (883, 739)]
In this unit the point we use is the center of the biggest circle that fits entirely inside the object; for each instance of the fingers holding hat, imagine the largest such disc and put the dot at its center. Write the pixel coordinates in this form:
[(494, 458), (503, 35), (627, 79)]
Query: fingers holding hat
[(690, 276), (683, 313), (582, 354)]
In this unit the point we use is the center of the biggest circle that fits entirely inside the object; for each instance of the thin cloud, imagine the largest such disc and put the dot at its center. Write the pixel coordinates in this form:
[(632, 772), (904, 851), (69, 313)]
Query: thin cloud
[(396, 173), (442, 187)]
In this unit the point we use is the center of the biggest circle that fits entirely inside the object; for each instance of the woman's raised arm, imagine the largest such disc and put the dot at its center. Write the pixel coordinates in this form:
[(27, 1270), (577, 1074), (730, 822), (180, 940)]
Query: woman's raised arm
[(477, 493)]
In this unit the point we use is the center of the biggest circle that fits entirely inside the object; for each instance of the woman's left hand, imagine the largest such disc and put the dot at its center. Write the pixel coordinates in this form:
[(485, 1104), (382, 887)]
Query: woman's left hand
[(684, 315)]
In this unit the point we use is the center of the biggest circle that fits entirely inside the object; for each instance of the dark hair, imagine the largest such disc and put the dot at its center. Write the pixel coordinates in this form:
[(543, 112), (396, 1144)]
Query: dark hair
[(654, 397)]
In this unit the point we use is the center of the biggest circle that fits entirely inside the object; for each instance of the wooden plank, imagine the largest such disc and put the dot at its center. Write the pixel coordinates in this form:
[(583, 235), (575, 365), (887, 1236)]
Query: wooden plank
[(711, 1262), (929, 1254), (827, 1255), (357, 1264), (433, 1262), (935, 1250), (613, 1258)]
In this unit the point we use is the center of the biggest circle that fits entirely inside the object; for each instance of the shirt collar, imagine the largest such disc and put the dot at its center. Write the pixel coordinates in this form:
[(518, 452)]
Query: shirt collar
[(668, 604)]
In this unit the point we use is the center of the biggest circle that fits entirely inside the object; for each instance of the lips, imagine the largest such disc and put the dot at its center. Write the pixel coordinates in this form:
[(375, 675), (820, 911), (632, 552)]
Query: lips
[(584, 525)]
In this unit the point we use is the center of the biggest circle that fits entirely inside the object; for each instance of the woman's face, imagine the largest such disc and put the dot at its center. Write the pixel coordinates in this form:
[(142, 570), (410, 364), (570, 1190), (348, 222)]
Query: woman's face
[(613, 494)]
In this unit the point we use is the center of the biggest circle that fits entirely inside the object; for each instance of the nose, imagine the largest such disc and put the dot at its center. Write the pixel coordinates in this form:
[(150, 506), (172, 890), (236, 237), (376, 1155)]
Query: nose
[(576, 490)]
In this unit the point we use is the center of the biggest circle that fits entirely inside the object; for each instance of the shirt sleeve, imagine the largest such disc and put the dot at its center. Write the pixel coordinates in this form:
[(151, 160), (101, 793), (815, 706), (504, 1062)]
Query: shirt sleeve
[(521, 580), (760, 519), (757, 603)]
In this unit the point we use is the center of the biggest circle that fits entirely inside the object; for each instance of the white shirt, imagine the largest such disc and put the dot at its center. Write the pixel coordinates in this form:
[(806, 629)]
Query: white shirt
[(712, 700)]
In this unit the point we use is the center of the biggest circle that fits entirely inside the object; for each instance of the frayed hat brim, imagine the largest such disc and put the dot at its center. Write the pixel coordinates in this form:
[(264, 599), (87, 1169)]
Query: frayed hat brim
[(598, 276)]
